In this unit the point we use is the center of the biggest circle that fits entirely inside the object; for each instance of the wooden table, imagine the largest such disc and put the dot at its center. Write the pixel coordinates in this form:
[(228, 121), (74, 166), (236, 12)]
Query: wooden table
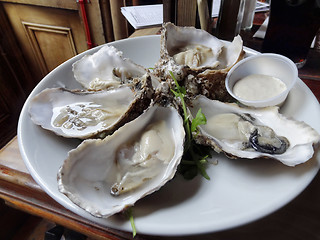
[(300, 219)]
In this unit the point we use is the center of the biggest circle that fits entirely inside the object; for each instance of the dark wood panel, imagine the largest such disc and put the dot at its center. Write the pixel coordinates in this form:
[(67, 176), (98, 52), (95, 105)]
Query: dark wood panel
[(15, 81), (11, 101)]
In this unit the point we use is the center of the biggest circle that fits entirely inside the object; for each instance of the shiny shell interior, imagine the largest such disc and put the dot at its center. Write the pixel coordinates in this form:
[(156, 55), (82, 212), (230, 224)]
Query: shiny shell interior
[(254, 133), (198, 49), (79, 114), (106, 69), (106, 176), (198, 59), (87, 114)]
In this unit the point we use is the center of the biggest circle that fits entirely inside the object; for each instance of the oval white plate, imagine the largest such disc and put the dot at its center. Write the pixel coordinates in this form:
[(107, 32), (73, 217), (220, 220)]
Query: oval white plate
[(240, 191)]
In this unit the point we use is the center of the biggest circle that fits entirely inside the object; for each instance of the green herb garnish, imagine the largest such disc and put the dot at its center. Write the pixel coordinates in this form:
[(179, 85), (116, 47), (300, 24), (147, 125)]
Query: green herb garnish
[(129, 214), (195, 156)]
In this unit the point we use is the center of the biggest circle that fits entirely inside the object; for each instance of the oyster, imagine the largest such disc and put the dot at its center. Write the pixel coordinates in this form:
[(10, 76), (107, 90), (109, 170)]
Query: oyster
[(87, 114), (198, 59), (254, 133), (107, 68), (106, 176)]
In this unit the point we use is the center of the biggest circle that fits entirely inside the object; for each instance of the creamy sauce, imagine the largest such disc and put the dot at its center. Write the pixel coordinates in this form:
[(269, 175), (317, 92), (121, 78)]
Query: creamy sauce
[(258, 87), (193, 55), (143, 159)]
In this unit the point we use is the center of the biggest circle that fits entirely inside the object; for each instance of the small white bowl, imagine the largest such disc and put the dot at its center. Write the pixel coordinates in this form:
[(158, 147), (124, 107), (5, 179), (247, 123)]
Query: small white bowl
[(270, 64)]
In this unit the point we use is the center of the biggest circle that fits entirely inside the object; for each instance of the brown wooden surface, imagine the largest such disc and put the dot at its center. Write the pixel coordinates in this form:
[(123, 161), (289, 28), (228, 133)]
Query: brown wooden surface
[(51, 32), (300, 219), (120, 27), (186, 12)]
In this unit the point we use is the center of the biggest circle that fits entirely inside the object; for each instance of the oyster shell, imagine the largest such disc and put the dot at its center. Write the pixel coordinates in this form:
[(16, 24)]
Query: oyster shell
[(189, 46), (107, 68), (87, 114), (254, 133), (198, 59), (106, 176)]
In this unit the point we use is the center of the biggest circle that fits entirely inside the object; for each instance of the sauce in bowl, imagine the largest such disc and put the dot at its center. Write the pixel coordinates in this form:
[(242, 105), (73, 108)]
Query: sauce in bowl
[(266, 80), (257, 87)]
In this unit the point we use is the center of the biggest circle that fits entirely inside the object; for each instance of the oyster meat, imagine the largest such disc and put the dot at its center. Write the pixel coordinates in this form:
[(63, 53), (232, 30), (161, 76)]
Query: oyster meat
[(254, 133), (87, 114), (134, 161)]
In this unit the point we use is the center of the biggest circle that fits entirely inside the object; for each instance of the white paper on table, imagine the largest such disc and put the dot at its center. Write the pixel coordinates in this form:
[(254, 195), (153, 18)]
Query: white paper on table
[(144, 15), (152, 15), (260, 7)]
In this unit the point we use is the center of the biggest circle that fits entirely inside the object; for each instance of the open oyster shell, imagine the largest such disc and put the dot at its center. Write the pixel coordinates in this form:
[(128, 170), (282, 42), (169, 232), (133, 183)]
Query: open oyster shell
[(88, 114), (254, 133), (107, 68), (106, 176), (198, 59)]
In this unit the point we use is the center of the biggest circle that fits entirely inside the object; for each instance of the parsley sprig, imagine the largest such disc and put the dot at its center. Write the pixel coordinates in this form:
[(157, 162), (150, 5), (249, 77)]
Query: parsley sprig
[(195, 156)]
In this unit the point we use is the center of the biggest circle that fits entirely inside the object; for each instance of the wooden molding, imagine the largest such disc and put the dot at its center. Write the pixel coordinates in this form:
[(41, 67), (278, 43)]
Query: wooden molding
[(31, 30)]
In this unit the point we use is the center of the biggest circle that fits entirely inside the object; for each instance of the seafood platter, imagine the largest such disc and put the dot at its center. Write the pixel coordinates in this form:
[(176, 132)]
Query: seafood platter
[(109, 129)]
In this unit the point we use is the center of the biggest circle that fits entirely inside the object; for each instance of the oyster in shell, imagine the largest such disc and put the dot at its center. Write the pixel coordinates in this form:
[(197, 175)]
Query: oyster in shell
[(197, 58), (254, 133), (87, 114), (106, 176), (107, 68)]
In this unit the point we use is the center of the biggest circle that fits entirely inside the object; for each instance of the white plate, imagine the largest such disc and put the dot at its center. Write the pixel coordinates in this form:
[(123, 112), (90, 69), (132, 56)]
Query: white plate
[(240, 191)]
